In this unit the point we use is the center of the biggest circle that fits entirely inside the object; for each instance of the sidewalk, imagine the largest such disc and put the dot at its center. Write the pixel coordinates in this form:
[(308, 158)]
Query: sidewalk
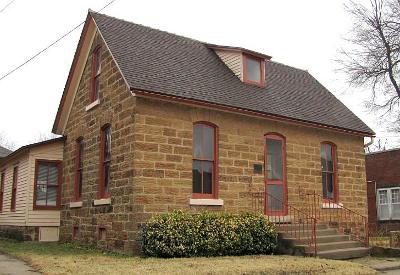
[(386, 265), (13, 266)]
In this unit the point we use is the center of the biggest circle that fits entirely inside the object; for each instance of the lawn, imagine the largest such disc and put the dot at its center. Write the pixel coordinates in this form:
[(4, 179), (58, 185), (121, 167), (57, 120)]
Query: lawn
[(53, 258)]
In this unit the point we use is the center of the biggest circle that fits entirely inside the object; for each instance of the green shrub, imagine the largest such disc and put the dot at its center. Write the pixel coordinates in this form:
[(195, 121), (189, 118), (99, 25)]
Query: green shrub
[(12, 234), (180, 234)]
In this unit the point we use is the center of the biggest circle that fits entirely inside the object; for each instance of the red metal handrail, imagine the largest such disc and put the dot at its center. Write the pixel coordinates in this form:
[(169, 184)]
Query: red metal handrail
[(297, 223), (328, 211)]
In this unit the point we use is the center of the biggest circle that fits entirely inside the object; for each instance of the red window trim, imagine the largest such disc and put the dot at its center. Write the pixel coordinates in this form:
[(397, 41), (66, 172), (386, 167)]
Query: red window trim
[(95, 74), (102, 192), (334, 172), (78, 168), (262, 70), (276, 136), (58, 201), (2, 181), (214, 194), (14, 189)]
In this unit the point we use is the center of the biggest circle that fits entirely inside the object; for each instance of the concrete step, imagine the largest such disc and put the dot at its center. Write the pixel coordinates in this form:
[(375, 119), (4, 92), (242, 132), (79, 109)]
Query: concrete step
[(334, 245), (289, 226), (345, 253), (320, 239), (319, 232)]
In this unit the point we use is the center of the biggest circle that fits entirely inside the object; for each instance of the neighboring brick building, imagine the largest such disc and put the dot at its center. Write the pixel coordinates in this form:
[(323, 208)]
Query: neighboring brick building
[(383, 175), (156, 122)]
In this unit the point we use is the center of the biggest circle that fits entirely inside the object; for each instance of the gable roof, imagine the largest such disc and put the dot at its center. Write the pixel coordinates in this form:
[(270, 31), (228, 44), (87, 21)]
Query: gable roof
[(162, 63), (24, 149), (4, 152)]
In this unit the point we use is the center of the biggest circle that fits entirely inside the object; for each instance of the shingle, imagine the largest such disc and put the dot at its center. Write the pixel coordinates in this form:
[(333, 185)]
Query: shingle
[(165, 63)]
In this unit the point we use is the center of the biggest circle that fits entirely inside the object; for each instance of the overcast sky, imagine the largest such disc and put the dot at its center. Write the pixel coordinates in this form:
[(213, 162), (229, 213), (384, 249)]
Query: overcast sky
[(304, 34)]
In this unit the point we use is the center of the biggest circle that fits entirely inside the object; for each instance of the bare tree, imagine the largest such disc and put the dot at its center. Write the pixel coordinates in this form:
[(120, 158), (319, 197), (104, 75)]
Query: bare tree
[(43, 137), (379, 145), (373, 56), (5, 142)]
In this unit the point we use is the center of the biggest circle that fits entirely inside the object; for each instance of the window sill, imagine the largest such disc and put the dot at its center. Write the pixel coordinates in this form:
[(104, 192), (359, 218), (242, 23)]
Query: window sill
[(214, 202), (92, 105), (327, 205), (75, 204), (42, 207), (102, 202)]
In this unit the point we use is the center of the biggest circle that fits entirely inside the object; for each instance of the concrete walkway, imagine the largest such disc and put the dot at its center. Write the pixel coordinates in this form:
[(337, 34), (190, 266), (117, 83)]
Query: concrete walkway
[(12, 266), (388, 267)]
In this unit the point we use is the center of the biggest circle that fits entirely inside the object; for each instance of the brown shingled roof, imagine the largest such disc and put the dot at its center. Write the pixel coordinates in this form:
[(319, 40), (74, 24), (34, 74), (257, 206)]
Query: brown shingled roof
[(168, 64)]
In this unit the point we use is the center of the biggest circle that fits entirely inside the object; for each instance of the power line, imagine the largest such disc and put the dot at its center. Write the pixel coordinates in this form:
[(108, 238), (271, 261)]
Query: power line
[(6, 6), (50, 45)]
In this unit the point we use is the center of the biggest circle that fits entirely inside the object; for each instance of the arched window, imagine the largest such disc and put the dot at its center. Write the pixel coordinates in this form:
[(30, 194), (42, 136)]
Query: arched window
[(205, 160), (275, 174), (328, 169)]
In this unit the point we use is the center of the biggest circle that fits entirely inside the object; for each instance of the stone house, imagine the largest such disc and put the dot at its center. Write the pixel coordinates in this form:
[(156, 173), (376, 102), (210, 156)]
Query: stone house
[(383, 176), (155, 122), (30, 190)]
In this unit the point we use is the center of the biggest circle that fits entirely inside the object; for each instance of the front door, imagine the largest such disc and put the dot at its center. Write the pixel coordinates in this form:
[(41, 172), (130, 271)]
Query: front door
[(275, 175)]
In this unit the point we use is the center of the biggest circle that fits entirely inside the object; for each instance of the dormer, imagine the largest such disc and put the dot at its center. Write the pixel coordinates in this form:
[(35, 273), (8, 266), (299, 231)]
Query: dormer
[(248, 66)]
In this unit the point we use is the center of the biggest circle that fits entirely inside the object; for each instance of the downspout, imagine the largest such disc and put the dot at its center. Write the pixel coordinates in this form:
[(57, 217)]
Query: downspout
[(370, 142)]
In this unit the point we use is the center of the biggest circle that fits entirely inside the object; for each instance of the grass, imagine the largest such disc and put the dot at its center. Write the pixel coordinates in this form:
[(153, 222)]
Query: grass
[(54, 258), (379, 241)]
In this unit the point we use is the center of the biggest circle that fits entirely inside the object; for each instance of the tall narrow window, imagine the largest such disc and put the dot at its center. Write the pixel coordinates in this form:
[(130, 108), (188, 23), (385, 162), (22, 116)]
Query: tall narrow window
[(14, 189), (47, 184), (328, 167), (78, 169), (2, 180), (275, 180), (96, 70), (105, 160), (204, 161)]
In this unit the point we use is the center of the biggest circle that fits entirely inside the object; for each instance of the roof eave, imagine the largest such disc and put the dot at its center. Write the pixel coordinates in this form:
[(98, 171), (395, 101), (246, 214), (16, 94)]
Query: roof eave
[(151, 94), (26, 148), (55, 128)]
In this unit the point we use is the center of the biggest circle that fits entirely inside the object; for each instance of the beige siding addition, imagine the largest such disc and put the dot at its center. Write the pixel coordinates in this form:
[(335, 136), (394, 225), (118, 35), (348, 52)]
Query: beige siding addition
[(42, 217), (18, 216), (233, 60)]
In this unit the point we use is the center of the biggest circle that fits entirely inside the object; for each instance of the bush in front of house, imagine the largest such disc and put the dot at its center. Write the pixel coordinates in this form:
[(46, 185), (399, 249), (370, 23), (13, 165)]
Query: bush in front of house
[(12, 234), (180, 234)]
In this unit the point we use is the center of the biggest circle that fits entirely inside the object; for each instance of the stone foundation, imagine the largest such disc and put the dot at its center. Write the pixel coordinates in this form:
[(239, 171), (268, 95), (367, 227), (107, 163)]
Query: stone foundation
[(20, 233)]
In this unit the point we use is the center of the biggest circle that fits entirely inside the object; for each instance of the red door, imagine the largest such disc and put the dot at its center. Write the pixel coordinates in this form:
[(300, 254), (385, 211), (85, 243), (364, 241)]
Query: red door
[(275, 175)]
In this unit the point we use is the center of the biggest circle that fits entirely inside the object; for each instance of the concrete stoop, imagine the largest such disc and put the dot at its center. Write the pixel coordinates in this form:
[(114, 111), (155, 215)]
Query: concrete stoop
[(330, 243)]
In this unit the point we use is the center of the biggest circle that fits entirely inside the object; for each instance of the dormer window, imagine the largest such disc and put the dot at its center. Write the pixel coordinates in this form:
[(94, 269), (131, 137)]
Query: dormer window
[(253, 70)]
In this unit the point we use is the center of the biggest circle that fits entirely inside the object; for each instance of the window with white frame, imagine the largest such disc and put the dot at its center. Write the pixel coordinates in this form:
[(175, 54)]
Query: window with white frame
[(388, 203)]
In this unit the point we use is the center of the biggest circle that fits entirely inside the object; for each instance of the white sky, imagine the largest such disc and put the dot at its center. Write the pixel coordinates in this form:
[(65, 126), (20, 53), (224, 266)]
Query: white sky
[(304, 34)]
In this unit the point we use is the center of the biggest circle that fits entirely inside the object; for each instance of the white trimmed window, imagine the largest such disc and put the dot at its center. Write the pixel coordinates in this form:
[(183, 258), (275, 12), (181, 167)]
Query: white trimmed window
[(388, 203)]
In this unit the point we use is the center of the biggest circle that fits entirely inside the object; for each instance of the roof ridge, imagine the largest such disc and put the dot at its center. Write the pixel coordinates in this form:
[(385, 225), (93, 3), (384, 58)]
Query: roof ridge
[(148, 27), (189, 38), (292, 67)]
